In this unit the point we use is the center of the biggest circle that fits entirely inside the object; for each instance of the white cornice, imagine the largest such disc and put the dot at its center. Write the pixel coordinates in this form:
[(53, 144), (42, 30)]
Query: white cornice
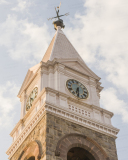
[(72, 115), (74, 100), (93, 125)]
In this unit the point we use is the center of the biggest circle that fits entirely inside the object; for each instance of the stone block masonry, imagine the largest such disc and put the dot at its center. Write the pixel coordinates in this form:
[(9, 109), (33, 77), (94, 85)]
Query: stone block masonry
[(54, 136), (57, 128)]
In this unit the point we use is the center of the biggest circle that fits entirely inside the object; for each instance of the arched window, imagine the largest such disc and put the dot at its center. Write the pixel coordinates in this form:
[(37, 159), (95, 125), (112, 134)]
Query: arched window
[(78, 153), (31, 158), (32, 151), (79, 147)]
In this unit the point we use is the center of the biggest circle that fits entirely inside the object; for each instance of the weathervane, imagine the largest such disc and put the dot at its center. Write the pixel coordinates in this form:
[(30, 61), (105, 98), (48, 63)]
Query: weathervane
[(58, 22)]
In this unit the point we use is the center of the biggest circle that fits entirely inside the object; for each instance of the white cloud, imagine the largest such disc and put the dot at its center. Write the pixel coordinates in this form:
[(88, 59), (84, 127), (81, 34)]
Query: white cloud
[(24, 40), (101, 36), (111, 102), (8, 101), (3, 2), (22, 5)]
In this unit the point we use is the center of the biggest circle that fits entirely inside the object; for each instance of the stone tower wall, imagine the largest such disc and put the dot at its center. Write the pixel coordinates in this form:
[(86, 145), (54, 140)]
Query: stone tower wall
[(58, 128), (51, 129)]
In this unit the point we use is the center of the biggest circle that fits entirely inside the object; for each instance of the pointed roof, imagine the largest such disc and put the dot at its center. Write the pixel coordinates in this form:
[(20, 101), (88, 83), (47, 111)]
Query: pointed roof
[(60, 48)]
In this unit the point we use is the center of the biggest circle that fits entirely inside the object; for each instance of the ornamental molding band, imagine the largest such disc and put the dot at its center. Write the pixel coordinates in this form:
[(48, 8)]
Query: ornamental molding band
[(77, 140), (91, 124)]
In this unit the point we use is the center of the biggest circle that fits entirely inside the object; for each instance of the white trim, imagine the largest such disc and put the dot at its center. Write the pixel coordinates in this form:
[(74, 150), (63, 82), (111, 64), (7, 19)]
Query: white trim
[(68, 114)]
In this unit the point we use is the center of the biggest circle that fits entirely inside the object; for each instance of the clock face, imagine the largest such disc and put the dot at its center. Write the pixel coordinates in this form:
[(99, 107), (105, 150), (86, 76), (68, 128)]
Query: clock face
[(31, 98), (77, 89)]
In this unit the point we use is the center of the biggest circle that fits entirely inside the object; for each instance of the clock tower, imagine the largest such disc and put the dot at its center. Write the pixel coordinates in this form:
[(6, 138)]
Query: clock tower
[(61, 117)]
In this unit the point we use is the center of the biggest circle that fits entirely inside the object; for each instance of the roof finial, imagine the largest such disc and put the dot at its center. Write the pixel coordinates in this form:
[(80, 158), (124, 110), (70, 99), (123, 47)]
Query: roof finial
[(58, 22)]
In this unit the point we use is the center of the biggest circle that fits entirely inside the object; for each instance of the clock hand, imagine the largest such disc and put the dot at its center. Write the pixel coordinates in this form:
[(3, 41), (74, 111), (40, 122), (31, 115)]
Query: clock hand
[(77, 91), (31, 100)]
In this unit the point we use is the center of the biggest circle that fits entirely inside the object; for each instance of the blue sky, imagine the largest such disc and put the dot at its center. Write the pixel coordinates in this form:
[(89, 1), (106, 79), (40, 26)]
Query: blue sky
[(98, 31)]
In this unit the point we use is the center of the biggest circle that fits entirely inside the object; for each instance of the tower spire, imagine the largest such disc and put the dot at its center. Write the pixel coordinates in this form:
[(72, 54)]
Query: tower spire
[(58, 22), (61, 48)]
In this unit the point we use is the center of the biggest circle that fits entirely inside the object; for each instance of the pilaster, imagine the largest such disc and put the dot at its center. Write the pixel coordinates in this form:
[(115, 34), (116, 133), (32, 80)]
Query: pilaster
[(23, 102)]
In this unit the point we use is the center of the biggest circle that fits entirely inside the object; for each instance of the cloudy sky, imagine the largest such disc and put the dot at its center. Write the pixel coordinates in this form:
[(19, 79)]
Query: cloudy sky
[(99, 31)]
